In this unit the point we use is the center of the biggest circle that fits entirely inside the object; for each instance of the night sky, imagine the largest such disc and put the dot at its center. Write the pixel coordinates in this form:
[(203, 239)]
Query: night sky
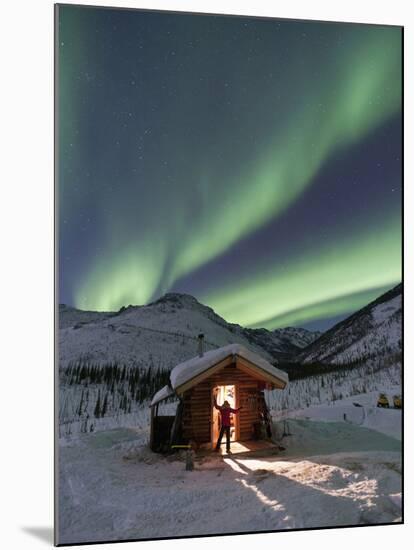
[(252, 163)]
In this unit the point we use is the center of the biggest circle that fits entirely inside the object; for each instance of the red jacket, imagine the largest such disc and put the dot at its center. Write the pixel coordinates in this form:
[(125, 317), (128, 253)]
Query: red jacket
[(225, 414)]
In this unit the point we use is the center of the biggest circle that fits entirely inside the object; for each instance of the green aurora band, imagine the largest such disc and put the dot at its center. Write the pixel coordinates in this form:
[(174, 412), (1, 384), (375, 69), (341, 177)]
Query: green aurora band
[(350, 99), (316, 286)]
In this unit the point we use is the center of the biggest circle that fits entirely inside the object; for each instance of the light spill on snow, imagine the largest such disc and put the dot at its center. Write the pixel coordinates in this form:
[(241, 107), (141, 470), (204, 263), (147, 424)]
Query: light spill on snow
[(332, 473)]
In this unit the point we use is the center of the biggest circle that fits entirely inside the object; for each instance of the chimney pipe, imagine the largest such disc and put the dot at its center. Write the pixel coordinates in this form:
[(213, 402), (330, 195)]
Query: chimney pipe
[(201, 344)]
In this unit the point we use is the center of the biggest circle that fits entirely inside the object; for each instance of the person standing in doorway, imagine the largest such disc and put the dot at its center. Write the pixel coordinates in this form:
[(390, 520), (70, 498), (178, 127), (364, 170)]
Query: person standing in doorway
[(225, 413)]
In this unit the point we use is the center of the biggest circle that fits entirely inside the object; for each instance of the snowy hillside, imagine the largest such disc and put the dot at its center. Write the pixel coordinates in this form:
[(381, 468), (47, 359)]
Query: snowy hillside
[(300, 337), (70, 316), (281, 343), (372, 376), (158, 335), (163, 334), (374, 331)]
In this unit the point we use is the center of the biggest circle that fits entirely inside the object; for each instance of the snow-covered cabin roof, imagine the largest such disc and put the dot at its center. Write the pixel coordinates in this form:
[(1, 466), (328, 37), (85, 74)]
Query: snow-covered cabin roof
[(162, 394), (191, 369)]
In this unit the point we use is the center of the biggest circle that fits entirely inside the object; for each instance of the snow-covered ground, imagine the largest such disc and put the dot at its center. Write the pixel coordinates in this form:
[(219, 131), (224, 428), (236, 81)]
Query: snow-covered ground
[(360, 410), (341, 463), (333, 472)]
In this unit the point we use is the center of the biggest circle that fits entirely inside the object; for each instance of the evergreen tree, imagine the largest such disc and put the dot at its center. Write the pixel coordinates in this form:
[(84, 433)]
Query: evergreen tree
[(80, 405), (97, 411), (105, 405)]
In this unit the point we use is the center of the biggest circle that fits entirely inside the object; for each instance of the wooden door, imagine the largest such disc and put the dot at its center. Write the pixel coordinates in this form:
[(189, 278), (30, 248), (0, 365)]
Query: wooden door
[(215, 419), (237, 415), (222, 392)]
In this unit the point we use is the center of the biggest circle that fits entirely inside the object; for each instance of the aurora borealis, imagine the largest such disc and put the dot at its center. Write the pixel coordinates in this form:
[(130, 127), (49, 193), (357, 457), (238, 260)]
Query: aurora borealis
[(252, 163)]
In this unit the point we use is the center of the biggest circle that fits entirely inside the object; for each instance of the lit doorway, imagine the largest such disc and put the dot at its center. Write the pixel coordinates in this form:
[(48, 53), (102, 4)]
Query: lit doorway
[(224, 393)]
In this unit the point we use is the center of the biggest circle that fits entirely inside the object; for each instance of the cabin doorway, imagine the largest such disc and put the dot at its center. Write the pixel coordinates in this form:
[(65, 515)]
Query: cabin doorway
[(224, 393)]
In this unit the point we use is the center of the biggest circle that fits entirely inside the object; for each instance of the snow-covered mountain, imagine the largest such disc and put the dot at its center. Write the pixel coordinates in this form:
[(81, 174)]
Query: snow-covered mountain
[(163, 333), (105, 357), (282, 343), (300, 337), (373, 331), (70, 316)]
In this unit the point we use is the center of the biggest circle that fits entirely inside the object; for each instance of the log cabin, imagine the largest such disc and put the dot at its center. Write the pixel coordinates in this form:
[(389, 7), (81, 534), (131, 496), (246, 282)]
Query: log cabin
[(232, 373)]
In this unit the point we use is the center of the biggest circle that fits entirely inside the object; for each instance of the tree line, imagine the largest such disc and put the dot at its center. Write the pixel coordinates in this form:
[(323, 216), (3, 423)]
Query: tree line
[(299, 371), (112, 386)]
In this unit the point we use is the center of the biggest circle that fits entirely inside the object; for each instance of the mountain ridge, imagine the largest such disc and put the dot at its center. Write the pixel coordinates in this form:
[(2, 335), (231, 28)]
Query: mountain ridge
[(174, 315), (164, 333), (380, 322)]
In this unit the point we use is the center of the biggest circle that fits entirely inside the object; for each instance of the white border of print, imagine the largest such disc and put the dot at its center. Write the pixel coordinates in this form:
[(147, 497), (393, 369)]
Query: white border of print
[(26, 233)]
